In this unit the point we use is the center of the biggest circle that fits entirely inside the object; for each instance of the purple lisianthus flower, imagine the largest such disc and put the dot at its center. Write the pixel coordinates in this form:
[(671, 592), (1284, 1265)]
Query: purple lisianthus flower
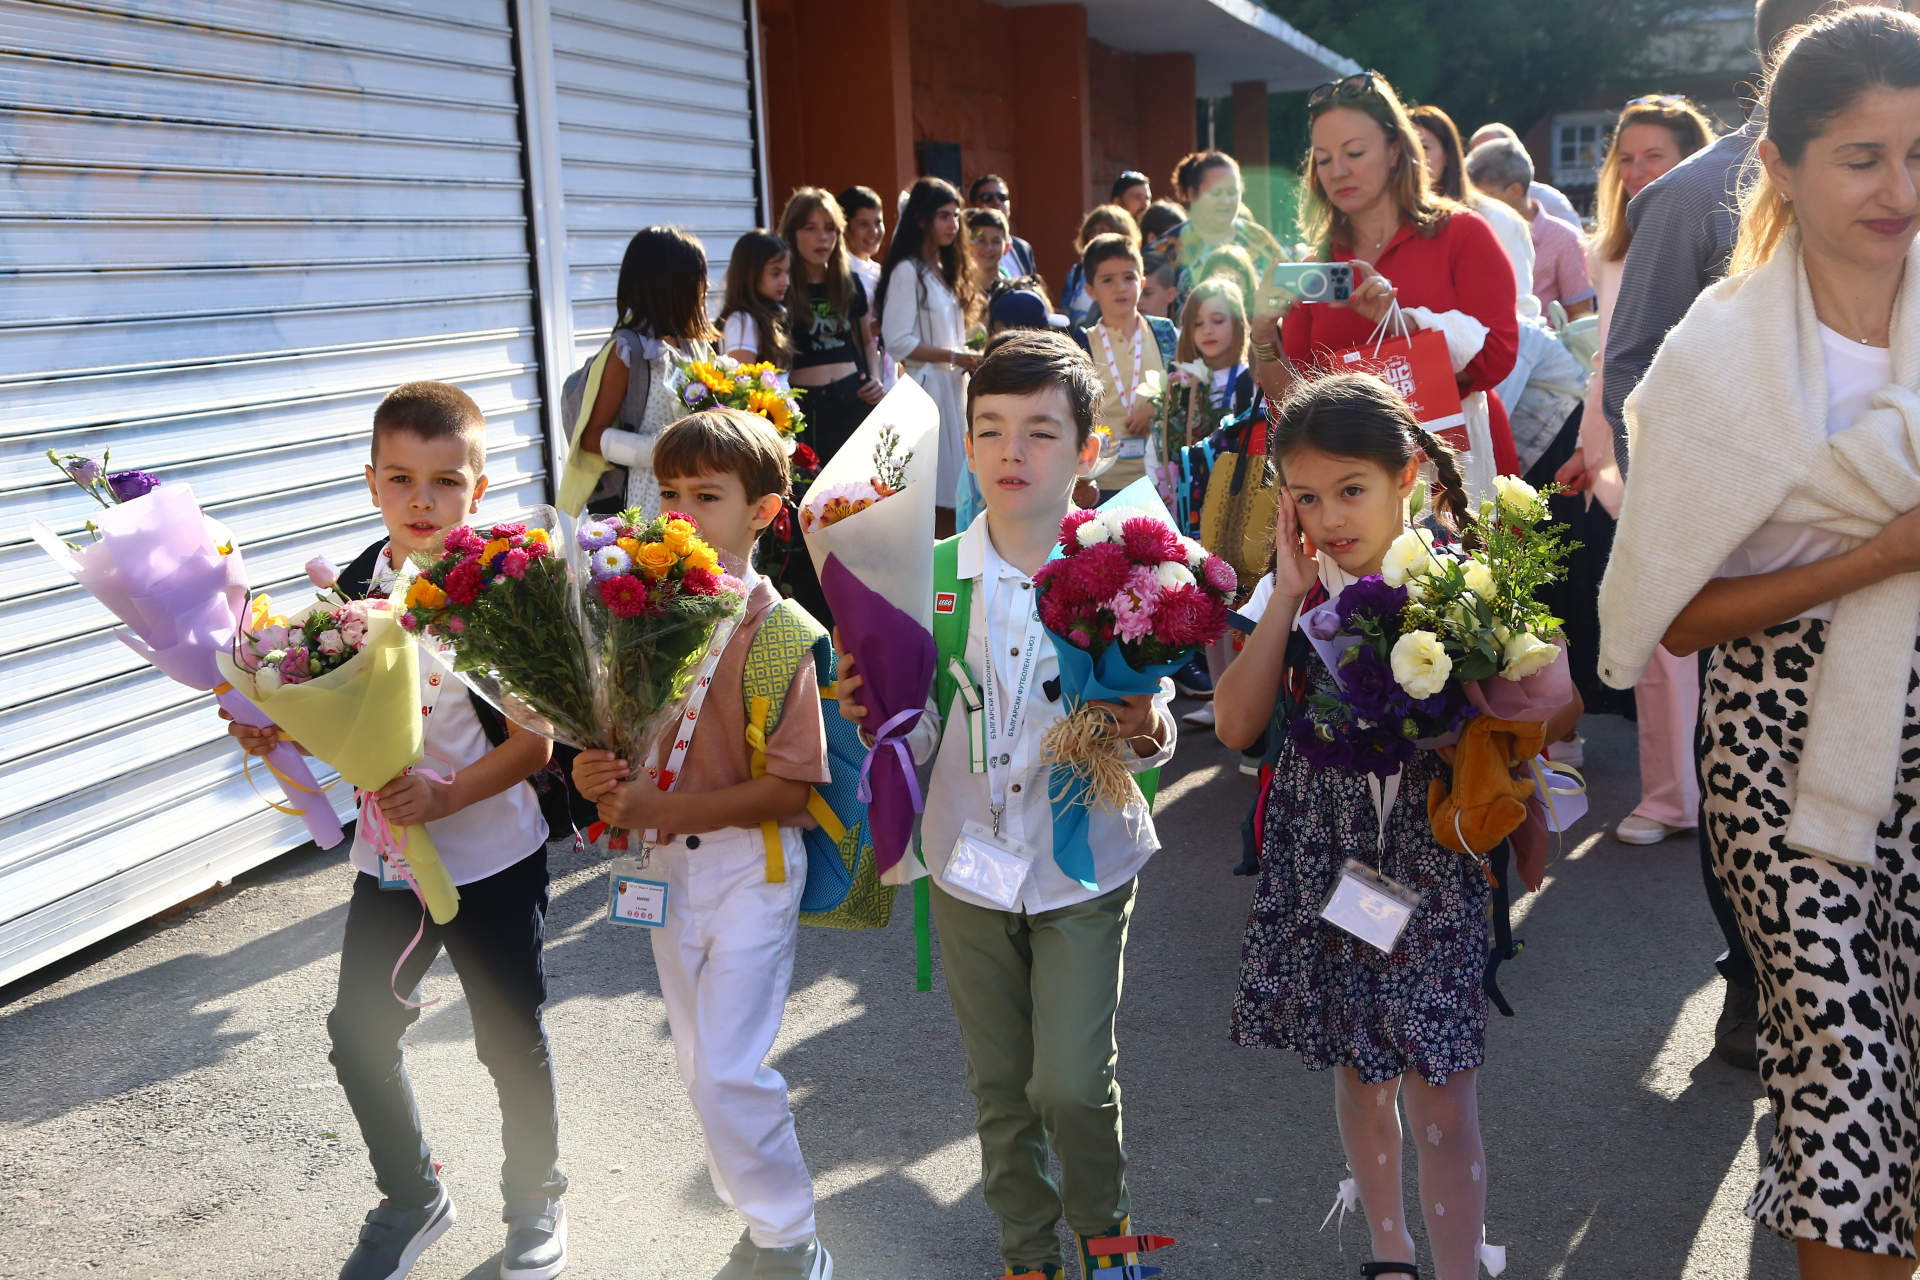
[(1320, 744), (128, 485), (83, 471), (694, 392), (1371, 689), (1384, 755), (1370, 597)]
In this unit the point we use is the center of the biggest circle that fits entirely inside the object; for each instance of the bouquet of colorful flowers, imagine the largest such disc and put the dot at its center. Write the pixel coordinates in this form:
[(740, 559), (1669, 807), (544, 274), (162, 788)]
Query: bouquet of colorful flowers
[(1126, 603), (175, 578), (1448, 645), (759, 389), (343, 679), (868, 523)]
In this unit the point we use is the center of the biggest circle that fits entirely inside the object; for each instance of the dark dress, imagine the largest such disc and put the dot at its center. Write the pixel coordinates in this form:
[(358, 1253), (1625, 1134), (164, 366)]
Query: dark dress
[(1309, 986)]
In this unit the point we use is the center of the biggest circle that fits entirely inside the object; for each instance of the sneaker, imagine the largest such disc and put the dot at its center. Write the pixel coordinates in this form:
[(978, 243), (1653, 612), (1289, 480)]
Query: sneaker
[(1201, 719), (1250, 765), (536, 1240), (1634, 829), (740, 1261), (1573, 754), (1192, 680), (1114, 1254), (809, 1261), (394, 1238), (1737, 1033)]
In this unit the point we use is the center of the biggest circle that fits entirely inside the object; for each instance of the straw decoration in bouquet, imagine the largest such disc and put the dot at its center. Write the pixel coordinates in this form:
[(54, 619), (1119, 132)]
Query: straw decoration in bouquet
[(342, 678), (868, 522), (1126, 603), (760, 389), (175, 578), (1447, 645)]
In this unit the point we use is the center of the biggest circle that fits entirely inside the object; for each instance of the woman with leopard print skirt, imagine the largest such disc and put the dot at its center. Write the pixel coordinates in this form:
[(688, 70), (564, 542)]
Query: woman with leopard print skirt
[(1793, 383)]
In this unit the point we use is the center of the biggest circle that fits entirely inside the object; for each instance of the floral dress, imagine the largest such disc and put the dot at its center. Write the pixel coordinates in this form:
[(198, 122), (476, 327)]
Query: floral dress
[(1310, 986), (649, 416)]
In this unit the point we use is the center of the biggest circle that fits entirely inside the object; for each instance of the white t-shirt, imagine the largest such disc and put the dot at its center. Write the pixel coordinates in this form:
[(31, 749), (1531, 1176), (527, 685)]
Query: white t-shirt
[(738, 334), (1854, 373), (486, 837)]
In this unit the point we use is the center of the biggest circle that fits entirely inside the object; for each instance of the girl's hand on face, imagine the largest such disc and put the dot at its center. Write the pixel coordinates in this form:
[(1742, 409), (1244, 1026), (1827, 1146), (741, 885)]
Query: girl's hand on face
[(871, 391), (1295, 569), (1373, 293)]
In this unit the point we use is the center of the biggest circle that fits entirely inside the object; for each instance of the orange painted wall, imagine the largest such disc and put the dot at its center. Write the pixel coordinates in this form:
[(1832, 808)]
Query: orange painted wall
[(963, 84), (1113, 89)]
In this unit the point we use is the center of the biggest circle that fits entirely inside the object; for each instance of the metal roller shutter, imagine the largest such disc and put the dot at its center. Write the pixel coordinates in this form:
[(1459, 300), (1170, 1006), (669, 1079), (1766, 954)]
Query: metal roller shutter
[(226, 231), (656, 113)]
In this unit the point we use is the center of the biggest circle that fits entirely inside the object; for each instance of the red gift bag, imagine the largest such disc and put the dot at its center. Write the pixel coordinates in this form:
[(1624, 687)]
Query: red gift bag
[(1415, 364)]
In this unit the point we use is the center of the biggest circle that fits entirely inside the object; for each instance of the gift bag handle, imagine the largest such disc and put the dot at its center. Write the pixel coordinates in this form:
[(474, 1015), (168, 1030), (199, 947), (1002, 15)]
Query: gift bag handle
[(1394, 316)]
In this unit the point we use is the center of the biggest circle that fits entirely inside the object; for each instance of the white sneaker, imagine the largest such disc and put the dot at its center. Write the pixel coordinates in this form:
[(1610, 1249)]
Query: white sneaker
[(1201, 719), (1634, 829), (1572, 754)]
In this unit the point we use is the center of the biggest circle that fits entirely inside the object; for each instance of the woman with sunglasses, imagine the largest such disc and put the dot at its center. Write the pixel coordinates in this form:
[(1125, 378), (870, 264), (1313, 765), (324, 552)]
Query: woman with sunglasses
[(1368, 201)]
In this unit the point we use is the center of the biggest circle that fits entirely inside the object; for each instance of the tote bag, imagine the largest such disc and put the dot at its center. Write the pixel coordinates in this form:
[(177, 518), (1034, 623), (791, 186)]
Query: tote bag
[(1414, 363)]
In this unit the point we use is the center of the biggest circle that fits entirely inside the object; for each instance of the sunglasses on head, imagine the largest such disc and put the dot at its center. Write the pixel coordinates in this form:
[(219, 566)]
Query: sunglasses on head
[(1365, 84), (1658, 100)]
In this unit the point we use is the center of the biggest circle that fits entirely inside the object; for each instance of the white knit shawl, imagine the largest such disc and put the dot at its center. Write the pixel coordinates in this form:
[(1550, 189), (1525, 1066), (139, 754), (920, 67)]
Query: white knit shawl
[(1728, 431)]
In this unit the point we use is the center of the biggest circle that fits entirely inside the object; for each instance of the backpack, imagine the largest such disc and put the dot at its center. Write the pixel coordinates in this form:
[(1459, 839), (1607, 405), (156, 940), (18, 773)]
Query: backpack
[(843, 889), (560, 804)]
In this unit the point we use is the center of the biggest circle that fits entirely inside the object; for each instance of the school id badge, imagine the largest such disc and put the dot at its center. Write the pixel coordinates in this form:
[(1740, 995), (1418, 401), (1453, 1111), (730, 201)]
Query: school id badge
[(393, 872), (632, 899), (1370, 906), (989, 866)]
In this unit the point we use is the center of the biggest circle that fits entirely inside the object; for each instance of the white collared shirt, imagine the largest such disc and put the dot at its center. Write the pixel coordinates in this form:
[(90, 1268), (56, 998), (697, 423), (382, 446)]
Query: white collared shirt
[(1121, 842)]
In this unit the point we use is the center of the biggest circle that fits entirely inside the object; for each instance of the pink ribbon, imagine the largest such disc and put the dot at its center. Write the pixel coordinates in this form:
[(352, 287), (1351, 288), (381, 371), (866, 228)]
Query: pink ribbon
[(387, 846), (893, 734)]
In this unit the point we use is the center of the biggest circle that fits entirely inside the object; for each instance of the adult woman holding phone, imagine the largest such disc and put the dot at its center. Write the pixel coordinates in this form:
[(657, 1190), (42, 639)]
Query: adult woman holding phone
[(1369, 203)]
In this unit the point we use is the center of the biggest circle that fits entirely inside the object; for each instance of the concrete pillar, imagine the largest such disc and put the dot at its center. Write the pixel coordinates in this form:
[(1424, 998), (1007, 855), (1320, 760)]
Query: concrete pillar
[(839, 97), (1164, 93), (1250, 145), (1053, 148)]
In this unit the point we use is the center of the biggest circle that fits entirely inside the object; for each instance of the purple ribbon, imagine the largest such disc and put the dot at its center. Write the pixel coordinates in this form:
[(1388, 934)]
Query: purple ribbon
[(893, 734)]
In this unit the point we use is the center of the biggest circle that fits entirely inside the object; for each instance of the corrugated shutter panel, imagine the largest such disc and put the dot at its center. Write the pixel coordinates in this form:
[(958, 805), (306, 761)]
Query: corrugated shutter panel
[(226, 231), (656, 126)]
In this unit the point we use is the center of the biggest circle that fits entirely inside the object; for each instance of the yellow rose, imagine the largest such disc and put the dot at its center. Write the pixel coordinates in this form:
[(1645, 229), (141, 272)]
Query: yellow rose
[(700, 556), (425, 593), (655, 559), (492, 549), (629, 545), (536, 535), (681, 536)]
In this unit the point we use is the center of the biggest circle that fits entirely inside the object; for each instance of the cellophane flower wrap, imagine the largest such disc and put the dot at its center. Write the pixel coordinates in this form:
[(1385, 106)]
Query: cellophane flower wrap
[(175, 578), (343, 680), (868, 523), (1448, 644), (1126, 602), (761, 389)]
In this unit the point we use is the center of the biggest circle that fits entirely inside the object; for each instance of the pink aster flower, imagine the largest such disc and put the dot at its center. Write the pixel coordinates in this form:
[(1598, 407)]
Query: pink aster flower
[(1132, 616), (1150, 541), (1220, 575)]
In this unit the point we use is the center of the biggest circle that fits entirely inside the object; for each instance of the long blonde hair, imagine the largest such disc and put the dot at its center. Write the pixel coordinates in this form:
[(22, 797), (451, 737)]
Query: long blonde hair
[(1323, 225), (1691, 131), (1228, 295), (1820, 74)]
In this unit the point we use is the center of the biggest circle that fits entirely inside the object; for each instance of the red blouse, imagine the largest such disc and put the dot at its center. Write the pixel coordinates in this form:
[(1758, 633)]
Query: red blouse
[(1461, 268)]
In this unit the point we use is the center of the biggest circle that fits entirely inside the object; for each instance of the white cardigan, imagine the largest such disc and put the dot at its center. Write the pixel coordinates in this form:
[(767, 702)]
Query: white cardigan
[(1727, 431)]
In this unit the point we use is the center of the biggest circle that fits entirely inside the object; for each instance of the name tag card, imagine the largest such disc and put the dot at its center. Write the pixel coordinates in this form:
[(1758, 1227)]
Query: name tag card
[(989, 866), (1370, 906), (392, 872), (632, 899), (1133, 447)]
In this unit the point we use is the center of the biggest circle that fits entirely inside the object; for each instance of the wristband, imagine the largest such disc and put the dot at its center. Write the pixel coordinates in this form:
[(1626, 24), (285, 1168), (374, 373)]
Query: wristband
[(625, 448), (1265, 351)]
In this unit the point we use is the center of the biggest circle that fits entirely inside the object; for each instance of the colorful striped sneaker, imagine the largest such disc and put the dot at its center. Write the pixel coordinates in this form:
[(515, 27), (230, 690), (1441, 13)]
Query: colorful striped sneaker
[(1048, 1272), (1114, 1254)]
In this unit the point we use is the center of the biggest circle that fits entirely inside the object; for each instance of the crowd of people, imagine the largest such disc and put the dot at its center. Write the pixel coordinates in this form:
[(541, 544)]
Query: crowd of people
[(1733, 308)]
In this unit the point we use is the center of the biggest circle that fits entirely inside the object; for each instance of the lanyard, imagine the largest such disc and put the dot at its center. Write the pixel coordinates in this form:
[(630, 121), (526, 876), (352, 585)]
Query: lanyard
[(668, 777), (1106, 341), (1223, 391), (1000, 737)]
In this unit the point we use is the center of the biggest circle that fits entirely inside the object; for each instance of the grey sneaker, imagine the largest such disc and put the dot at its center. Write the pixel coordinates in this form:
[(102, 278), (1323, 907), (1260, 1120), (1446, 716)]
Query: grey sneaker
[(536, 1240), (740, 1261), (809, 1261), (394, 1238)]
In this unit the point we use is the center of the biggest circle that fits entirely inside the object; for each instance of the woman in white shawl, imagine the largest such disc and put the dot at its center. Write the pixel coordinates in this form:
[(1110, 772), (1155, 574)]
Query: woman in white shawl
[(1772, 515)]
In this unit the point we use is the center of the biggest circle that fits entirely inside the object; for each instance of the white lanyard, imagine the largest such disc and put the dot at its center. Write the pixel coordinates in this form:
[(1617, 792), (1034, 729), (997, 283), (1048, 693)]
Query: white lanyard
[(1126, 391), (683, 727), (1000, 741)]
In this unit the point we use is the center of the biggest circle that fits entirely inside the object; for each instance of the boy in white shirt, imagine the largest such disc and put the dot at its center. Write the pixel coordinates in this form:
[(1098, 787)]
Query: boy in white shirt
[(428, 474), (1035, 986), (1126, 346)]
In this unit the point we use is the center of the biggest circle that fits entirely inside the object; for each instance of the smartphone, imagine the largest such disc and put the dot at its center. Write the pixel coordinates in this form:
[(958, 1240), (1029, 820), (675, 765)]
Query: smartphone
[(1315, 281)]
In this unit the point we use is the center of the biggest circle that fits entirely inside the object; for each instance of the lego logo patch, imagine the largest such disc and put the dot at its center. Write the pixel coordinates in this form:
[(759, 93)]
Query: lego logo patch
[(945, 601)]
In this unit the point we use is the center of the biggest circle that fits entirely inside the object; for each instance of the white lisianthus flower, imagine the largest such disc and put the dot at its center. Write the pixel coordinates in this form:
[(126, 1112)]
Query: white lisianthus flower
[(1479, 579), (1168, 574), (266, 681), (1501, 634), (1410, 556), (1525, 654), (1517, 498), (725, 364), (1420, 663)]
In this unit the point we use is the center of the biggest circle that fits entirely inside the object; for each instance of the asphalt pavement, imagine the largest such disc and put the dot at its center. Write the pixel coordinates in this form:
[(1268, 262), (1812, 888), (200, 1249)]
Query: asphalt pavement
[(167, 1111)]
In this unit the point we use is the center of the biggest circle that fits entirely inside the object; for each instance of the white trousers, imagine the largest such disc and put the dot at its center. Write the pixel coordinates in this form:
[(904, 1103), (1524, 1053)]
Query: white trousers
[(725, 959)]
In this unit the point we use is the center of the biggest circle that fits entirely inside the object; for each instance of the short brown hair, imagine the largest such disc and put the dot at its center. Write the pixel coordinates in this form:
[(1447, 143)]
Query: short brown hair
[(728, 442), (433, 411), (1101, 248), (1023, 362)]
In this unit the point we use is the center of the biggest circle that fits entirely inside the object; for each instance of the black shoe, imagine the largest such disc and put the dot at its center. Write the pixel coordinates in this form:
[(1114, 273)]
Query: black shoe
[(1368, 1269), (1736, 1036), (394, 1238), (1193, 681), (740, 1261), (809, 1261), (536, 1240)]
